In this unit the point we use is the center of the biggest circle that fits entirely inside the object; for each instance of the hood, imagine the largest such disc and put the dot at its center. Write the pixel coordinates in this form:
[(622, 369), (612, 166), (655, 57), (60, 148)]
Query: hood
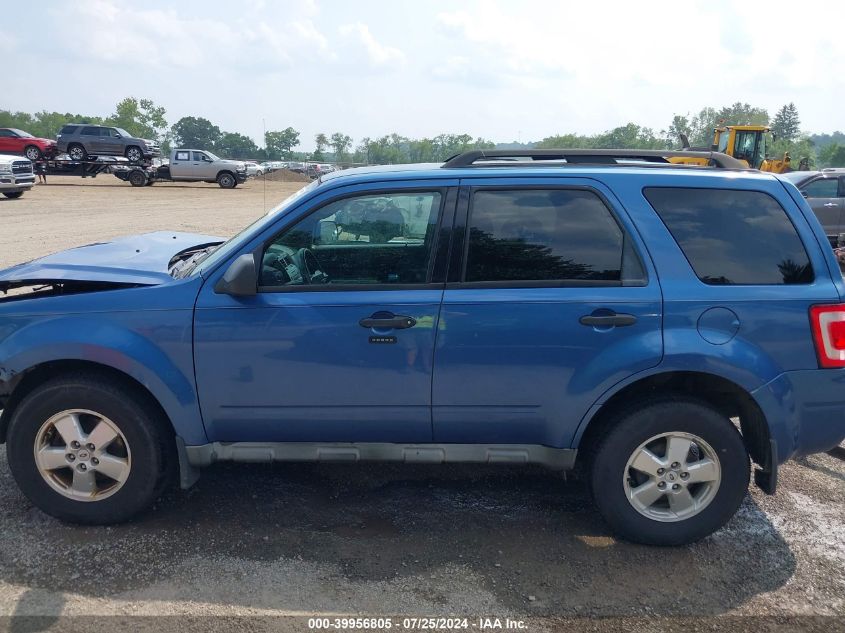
[(137, 260), (12, 157)]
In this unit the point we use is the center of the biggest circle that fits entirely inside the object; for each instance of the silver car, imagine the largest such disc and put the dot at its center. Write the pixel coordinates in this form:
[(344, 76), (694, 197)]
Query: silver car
[(80, 141)]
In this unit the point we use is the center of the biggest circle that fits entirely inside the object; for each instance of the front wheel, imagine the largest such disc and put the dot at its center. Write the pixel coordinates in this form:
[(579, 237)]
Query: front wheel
[(88, 450), (77, 152), (32, 153), (134, 154), (670, 473), (226, 180), (13, 194)]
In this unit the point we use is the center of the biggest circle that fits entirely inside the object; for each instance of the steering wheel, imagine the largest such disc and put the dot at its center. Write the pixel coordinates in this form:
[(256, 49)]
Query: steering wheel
[(309, 266), (280, 268)]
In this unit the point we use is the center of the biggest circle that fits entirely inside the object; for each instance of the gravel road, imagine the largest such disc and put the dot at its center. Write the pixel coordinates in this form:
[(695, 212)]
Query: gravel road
[(257, 540)]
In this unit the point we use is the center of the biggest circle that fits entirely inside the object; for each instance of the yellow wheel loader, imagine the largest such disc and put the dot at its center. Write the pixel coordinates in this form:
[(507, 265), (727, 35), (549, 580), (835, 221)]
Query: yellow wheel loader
[(747, 143)]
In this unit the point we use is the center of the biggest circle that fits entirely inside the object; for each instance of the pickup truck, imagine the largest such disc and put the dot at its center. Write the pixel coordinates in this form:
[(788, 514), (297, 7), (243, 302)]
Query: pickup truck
[(16, 175), (187, 165)]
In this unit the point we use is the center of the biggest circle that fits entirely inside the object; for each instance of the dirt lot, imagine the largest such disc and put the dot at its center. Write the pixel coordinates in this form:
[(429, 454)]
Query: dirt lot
[(384, 539)]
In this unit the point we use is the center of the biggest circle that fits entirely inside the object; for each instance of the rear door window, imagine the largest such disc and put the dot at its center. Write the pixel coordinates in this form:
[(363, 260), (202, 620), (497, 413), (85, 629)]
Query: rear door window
[(183, 156), (90, 131), (546, 236), (733, 237)]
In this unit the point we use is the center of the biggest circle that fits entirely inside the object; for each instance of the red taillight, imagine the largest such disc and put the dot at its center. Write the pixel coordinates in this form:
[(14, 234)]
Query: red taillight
[(828, 323)]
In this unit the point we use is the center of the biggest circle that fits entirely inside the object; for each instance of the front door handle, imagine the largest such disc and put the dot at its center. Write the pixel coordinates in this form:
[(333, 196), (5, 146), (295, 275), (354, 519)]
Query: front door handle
[(387, 321), (830, 204), (607, 320)]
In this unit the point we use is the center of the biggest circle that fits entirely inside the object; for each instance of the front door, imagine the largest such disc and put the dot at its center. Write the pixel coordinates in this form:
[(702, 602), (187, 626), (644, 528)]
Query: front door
[(550, 304), (823, 196), (337, 346), (202, 167)]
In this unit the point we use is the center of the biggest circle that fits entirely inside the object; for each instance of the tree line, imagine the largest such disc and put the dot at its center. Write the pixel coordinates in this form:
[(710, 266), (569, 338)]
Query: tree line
[(145, 119)]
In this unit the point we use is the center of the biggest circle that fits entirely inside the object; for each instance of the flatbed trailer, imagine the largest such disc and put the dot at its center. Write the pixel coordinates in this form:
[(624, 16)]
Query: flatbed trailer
[(91, 167)]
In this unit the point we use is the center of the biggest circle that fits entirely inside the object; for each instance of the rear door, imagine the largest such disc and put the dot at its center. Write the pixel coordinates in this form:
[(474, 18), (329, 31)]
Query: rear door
[(9, 142), (182, 164), (90, 137), (824, 196), (550, 302)]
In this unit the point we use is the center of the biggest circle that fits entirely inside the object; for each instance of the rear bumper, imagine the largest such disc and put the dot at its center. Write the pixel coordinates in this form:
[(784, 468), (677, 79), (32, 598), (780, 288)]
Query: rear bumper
[(805, 411)]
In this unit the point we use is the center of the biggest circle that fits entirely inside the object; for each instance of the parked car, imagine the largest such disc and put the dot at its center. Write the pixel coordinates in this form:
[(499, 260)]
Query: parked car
[(81, 141), (661, 327), (14, 141), (188, 165), (254, 169), (825, 191), (16, 176)]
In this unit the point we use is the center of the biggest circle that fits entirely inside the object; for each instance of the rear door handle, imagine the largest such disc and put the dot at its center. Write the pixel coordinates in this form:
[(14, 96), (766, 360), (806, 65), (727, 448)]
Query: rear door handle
[(831, 204), (608, 320), (387, 321)]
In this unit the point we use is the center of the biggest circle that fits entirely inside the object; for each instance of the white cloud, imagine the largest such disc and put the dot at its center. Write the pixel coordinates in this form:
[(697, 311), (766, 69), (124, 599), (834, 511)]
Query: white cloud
[(378, 54)]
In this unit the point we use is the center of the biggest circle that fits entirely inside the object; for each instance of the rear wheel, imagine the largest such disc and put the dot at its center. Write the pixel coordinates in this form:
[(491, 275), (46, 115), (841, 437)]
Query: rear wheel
[(33, 153), (87, 450), (13, 194), (670, 473), (77, 152), (226, 180), (137, 178)]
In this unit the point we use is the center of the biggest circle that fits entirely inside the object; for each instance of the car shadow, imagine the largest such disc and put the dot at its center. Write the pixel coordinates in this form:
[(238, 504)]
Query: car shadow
[(520, 538)]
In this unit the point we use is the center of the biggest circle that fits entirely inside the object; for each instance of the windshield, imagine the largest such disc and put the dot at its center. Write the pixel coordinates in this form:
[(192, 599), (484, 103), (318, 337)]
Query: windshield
[(123, 132), (234, 243), (21, 133), (212, 155)]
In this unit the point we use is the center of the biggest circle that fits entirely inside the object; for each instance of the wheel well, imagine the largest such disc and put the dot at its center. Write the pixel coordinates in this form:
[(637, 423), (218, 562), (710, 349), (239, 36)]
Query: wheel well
[(225, 171), (23, 383), (725, 396)]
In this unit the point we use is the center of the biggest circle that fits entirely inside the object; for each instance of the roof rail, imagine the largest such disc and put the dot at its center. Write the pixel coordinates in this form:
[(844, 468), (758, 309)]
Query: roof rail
[(591, 157)]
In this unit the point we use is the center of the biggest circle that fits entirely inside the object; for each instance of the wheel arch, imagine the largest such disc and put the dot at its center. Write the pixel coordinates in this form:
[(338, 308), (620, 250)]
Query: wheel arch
[(724, 395), (67, 344), (25, 382)]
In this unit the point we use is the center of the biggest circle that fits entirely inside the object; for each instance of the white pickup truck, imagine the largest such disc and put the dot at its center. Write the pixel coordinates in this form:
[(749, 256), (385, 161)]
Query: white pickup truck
[(188, 165), (16, 175)]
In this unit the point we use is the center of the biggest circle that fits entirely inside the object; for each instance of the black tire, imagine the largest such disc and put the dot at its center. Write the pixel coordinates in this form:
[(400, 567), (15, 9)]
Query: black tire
[(13, 194), (137, 178), (134, 154), (226, 180), (145, 433), (77, 152), (33, 153), (629, 432)]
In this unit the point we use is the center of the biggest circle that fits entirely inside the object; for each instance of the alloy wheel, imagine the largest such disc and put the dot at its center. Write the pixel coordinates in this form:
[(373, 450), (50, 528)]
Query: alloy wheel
[(672, 477), (82, 455)]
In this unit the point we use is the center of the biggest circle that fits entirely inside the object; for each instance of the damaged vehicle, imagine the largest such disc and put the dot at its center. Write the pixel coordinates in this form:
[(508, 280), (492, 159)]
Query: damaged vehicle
[(667, 329)]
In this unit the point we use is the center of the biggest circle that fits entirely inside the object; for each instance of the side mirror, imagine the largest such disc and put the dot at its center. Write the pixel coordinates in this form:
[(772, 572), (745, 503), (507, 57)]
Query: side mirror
[(325, 232), (804, 193), (240, 280)]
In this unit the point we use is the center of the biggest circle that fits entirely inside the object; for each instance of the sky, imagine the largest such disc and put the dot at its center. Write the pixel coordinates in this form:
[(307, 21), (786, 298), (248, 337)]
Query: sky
[(505, 70)]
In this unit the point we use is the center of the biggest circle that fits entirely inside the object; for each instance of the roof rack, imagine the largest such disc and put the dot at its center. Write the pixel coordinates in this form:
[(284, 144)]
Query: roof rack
[(651, 157)]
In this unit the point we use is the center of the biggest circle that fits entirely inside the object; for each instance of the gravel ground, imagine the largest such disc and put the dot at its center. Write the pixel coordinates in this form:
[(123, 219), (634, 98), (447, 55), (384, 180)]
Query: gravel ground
[(256, 540)]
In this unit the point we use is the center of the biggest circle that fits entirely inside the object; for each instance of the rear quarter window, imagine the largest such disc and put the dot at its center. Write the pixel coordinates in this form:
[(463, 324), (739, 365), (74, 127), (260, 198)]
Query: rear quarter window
[(69, 129), (733, 237)]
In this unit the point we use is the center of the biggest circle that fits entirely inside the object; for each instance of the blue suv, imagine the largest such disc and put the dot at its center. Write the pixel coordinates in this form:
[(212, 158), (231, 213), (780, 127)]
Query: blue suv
[(665, 328)]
